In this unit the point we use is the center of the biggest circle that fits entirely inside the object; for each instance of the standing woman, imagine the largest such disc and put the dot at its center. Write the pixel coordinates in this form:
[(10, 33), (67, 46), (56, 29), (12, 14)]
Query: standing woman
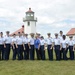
[(50, 46), (42, 48), (61, 38), (14, 41), (25, 47), (37, 47), (31, 46), (64, 45), (7, 45), (57, 46), (1, 46), (19, 46), (71, 47)]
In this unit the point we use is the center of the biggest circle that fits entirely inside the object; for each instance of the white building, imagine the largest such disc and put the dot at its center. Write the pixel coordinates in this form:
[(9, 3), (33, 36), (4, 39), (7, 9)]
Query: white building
[(30, 22)]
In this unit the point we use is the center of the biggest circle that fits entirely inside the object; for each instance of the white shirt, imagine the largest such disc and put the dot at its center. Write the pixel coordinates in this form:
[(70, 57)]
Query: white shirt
[(57, 41), (64, 42), (8, 40), (25, 40), (19, 41), (22, 37), (1, 40), (14, 40), (31, 40), (42, 42), (71, 42), (60, 37), (49, 41)]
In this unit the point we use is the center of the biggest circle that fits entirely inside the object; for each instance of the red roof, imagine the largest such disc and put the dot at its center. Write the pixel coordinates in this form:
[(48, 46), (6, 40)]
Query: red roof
[(71, 32), (29, 10), (21, 30)]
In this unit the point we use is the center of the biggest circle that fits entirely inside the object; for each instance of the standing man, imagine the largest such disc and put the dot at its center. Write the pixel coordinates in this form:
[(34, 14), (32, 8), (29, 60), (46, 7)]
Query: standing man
[(57, 46), (50, 46), (19, 44), (61, 35), (42, 48), (61, 38), (64, 45), (14, 41), (31, 46), (26, 47), (1, 46), (22, 36), (71, 45), (7, 45)]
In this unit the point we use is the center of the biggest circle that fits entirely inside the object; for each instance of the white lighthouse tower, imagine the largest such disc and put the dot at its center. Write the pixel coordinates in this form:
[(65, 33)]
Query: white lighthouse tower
[(30, 22)]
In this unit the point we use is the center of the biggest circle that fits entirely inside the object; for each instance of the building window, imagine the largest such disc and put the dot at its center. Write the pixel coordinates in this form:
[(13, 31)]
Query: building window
[(28, 23)]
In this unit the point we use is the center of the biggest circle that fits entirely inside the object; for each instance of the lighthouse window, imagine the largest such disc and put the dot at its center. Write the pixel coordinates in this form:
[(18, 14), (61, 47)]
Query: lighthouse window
[(31, 14), (28, 23)]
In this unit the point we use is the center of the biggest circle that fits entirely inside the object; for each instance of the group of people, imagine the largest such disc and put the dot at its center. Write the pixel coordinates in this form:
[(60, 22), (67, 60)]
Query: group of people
[(25, 48)]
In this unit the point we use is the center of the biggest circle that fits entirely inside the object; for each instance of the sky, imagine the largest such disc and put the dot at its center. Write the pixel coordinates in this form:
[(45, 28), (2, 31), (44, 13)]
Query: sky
[(52, 15)]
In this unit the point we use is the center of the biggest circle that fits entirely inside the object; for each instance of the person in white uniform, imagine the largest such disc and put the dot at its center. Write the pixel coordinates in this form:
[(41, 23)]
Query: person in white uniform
[(71, 44), (7, 40), (50, 46), (31, 46), (26, 47), (1, 46), (14, 41), (57, 46), (64, 45), (19, 44), (42, 48), (61, 38)]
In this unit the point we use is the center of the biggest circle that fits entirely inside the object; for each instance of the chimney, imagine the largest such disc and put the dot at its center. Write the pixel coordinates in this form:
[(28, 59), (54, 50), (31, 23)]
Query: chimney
[(22, 26), (29, 9)]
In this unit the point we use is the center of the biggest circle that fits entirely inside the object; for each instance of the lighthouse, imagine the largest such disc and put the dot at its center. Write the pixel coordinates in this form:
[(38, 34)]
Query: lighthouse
[(30, 22)]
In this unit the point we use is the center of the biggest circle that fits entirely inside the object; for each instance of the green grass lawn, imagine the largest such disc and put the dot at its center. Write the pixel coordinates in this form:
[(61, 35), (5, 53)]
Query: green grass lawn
[(37, 67)]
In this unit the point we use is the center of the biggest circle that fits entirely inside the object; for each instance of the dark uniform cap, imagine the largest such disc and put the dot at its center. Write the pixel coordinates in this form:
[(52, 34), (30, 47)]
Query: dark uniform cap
[(38, 34), (18, 32), (70, 36), (61, 31), (48, 33), (26, 34), (7, 32), (32, 34), (56, 34), (1, 32), (42, 37)]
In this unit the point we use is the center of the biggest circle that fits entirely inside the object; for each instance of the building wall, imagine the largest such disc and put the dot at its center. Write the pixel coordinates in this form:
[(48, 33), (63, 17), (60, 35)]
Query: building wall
[(30, 28)]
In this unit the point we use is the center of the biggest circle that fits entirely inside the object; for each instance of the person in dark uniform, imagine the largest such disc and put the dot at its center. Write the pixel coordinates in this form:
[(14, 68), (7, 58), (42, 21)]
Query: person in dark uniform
[(61, 38), (14, 41), (64, 45), (19, 44), (22, 36), (26, 47), (50, 46), (57, 46), (31, 46), (37, 46), (1, 46), (7, 41), (71, 44), (42, 48)]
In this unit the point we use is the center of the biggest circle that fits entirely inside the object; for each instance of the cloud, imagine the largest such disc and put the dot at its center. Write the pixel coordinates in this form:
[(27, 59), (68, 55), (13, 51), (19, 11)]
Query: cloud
[(53, 15)]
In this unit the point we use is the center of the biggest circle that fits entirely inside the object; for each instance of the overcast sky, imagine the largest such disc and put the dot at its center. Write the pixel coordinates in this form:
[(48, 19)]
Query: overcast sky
[(53, 15)]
